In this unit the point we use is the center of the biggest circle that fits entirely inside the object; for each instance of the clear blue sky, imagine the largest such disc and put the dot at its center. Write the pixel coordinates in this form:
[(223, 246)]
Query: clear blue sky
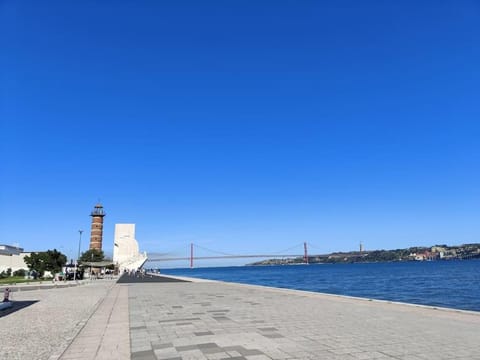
[(241, 126)]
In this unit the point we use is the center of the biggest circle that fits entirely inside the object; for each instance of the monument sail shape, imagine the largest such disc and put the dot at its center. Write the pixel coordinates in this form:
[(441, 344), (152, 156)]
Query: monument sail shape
[(126, 253)]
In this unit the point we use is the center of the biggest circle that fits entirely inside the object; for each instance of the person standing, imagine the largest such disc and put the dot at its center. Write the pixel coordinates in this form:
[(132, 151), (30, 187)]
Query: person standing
[(6, 295)]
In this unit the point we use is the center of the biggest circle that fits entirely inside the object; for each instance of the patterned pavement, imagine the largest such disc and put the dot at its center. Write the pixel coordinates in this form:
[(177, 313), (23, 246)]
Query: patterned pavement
[(148, 278), (214, 320), (165, 319)]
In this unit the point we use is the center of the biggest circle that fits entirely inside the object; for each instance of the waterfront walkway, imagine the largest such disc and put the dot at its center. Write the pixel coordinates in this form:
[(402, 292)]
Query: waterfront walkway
[(215, 320)]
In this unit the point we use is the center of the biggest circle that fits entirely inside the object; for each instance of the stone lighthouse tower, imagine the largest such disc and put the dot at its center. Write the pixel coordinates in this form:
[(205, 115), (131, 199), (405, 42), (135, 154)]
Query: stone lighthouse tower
[(96, 234)]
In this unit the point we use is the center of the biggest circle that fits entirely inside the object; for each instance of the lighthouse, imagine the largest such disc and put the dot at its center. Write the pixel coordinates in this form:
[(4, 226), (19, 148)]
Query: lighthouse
[(96, 234)]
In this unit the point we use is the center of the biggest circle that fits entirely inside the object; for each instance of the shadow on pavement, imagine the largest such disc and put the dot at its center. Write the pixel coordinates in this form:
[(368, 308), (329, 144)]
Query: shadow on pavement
[(17, 305), (131, 279)]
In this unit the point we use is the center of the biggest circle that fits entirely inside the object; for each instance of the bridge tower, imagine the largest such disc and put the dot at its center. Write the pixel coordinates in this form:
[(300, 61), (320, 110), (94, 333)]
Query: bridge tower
[(191, 256), (96, 233), (305, 253)]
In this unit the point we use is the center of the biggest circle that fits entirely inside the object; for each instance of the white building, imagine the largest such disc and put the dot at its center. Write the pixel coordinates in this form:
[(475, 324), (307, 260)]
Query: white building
[(11, 257), (126, 253)]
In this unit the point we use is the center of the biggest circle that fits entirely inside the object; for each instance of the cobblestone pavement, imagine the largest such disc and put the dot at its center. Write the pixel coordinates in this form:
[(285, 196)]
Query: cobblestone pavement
[(213, 320), (46, 321)]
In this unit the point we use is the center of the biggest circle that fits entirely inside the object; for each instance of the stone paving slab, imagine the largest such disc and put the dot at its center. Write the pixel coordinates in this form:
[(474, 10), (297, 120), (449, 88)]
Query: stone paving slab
[(215, 320), (106, 334)]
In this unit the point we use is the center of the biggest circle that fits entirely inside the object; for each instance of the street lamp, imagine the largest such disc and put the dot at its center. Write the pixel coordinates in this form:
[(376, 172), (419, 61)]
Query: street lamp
[(91, 261), (78, 255)]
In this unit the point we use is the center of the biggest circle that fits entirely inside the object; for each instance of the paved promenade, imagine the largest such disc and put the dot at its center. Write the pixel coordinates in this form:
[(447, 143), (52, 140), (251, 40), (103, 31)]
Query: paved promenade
[(214, 320), (44, 320)]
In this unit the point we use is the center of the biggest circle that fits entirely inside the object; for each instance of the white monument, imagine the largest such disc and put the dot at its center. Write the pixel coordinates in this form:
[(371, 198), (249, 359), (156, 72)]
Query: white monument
[(125, 248)]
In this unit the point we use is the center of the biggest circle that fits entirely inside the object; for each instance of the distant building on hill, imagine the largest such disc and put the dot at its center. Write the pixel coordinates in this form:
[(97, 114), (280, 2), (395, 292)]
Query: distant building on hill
[(126, 254)]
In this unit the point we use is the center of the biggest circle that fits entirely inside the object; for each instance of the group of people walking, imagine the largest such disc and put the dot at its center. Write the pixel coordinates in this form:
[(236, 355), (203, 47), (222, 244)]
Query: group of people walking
[(135, 272)]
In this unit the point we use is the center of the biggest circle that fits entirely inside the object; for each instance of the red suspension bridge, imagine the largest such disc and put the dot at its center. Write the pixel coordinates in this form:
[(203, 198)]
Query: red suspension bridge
[(191, 258)]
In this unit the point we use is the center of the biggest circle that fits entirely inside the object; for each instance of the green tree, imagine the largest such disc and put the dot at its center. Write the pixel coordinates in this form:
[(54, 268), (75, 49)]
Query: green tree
[(36, 262), (92, 255), (56, 261), (50, 260)]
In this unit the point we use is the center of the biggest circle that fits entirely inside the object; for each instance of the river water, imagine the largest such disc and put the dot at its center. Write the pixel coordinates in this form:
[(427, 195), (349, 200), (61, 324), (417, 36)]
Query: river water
[(453, 284)]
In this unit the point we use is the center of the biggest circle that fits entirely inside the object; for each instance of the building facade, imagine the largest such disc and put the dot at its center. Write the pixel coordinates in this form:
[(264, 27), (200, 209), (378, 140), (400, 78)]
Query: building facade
[(12, 257)]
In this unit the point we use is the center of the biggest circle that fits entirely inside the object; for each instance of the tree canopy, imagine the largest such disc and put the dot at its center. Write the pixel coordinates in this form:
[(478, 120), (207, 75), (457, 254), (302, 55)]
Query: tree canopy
[(92, 255), (50, 260)]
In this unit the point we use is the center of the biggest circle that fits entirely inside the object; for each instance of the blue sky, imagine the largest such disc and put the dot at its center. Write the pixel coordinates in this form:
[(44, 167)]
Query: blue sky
[(241, 126)]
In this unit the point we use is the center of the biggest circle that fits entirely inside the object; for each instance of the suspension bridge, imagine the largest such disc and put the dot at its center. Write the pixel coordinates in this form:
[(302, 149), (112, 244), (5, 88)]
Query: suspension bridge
[(191, 258)]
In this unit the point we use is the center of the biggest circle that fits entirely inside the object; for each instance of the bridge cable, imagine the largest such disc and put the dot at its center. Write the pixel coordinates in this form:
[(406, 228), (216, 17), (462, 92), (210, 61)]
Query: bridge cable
[(213, 251), (287, 250)]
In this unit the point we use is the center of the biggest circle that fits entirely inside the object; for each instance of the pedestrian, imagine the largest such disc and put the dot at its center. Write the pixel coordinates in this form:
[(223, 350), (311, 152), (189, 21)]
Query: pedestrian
[(6, 295)]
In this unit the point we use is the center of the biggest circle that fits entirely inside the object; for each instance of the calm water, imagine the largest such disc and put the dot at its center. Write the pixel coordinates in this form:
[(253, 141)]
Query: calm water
[(454, 284)]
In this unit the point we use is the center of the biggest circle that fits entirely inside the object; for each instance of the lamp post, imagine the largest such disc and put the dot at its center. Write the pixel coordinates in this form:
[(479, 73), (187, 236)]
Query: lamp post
[(91, 261), (78, 255)]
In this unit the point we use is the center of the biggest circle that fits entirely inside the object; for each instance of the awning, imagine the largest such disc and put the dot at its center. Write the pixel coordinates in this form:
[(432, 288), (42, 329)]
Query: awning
[(97, 263)]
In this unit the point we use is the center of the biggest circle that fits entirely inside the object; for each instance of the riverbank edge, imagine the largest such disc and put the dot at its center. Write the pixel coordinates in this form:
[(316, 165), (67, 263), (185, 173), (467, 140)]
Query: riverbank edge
[(314, 293)]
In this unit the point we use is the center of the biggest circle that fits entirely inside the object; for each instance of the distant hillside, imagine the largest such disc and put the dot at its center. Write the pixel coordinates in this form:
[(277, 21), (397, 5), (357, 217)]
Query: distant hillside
[(437, 252)]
